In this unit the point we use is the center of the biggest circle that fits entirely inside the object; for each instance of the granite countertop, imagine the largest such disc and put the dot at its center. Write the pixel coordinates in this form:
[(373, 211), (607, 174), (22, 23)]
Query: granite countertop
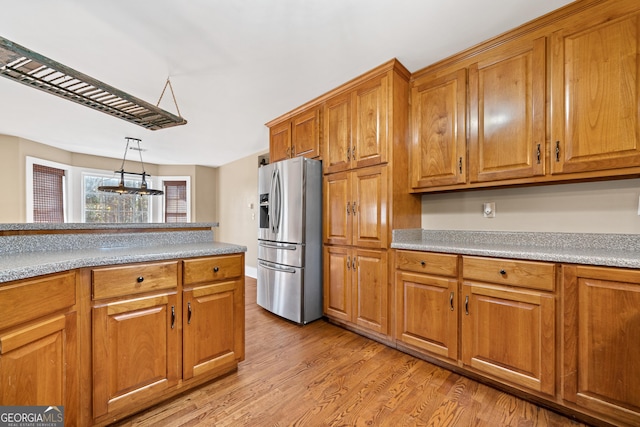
[(36, 263), (614, 250), (25, 256)]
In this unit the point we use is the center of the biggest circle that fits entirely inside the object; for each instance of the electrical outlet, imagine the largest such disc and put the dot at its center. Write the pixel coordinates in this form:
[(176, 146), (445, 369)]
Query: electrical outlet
[(489, 209)]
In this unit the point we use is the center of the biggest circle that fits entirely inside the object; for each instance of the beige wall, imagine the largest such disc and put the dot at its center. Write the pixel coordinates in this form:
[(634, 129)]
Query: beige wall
[(14, 150), (237, 189), (596, 207)]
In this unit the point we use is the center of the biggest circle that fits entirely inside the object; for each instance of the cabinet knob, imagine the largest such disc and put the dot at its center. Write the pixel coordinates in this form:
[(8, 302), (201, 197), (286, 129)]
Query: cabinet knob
[(423, 263), (140, 279), (503, 272), (215, 269)]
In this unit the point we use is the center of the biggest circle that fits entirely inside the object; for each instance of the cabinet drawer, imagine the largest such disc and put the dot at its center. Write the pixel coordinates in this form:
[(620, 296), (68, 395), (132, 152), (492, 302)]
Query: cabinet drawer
[(29, 299), (427, 262), (528, 274), (134, 279), (212, 269)]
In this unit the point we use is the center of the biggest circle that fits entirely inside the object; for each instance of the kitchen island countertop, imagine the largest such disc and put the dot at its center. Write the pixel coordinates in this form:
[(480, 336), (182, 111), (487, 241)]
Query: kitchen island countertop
[(614, 250), (25, 256)]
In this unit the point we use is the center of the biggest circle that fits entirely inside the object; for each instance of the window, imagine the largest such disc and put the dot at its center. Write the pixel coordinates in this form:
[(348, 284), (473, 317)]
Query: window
[(175, 201), (100, 207), (48, 194)]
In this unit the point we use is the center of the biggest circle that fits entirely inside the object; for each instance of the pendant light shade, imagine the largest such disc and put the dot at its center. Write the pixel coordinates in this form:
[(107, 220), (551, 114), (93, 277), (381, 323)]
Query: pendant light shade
[(143, 190)]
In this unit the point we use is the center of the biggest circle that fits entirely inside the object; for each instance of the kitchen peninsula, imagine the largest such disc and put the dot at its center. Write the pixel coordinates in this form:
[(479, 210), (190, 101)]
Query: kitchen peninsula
[(106, 320)]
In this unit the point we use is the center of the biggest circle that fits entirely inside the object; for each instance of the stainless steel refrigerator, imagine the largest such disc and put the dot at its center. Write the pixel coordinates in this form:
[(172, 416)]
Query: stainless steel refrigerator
[(290, 239)]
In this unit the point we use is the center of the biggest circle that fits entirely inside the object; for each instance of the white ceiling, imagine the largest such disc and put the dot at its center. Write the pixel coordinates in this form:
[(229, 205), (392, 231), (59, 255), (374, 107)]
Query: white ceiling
[(234, 64)]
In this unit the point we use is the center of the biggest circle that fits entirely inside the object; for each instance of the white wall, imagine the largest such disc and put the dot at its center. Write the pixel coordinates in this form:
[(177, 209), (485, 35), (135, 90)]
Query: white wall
[(596, 207), (237, 190)]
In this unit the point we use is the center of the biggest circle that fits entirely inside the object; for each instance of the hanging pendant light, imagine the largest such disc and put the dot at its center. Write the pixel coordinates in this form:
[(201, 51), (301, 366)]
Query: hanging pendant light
[(121, 188)]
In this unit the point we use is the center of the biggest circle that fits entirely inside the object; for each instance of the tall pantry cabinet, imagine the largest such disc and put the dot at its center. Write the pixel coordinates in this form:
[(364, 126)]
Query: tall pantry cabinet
[(364, 140)]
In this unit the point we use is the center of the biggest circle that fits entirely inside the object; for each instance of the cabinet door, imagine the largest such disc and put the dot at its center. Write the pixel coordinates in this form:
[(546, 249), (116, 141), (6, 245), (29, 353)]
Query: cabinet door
[(369, 207), (337, 134), (371, 122), (209, 325), (595, 85), (337, 283), (305, 134), (427, 317), (35, 362), (280, 142), (601, 368), (135, 351), (370, 289), (507, 109), (438, 151), (509, 334), (338, 209)]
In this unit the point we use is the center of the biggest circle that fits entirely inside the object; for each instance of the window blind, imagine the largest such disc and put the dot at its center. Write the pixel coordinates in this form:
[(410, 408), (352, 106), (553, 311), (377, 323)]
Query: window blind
[(175, 196), (48, 197)]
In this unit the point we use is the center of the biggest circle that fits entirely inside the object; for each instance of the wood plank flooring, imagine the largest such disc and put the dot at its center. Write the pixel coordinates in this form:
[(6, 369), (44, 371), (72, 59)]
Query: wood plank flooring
[(323, 375)]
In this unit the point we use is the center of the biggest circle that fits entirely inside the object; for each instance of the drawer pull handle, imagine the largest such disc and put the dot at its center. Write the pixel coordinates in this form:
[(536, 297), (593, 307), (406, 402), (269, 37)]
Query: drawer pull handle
[(503, 272), (466, 305), (215, 269), (348, 263), (423, 263), (140, 279), (173, 316), (188, 313), (451, 301)]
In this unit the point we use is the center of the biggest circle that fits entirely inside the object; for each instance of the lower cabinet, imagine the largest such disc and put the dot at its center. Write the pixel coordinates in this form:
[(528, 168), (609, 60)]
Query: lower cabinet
[(213, 315), (601, 342), (427, 302), (160, 328), (494, 317), (356, 287), (508, 325), (39, 343), (135, 336)]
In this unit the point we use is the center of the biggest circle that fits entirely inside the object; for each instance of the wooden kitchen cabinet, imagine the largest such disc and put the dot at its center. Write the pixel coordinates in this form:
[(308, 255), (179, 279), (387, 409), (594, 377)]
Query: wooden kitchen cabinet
[(508, 324), (507, 112), (135, 336), (356, 287), (213, 314), (427, 302), (355, 208), (439, 149), (39, 343), (601, 342), (595, 86), (355, 127), (297, 136)]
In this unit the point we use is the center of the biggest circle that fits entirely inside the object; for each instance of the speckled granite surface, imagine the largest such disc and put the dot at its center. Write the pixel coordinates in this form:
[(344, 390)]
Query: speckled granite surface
[(34, 255), (616, 250)]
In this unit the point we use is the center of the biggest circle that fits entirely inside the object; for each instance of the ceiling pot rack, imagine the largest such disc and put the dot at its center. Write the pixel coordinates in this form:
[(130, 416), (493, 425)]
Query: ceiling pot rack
[(32, 69), (143, 190)]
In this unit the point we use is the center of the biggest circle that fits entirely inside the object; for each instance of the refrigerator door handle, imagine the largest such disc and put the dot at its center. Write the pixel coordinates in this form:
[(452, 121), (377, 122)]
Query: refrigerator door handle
[(278, 201), (277, 246), (275, 267)]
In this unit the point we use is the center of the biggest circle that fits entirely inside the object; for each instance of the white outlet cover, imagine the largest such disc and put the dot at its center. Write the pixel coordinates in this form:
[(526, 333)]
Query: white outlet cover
[(489, 209)]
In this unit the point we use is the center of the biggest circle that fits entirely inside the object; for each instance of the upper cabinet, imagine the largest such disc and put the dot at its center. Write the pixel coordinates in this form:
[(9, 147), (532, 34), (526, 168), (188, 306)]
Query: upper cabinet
[(595, 84), (355, 127), (439, 153), (296, 136), (551, 101), (507, 120)]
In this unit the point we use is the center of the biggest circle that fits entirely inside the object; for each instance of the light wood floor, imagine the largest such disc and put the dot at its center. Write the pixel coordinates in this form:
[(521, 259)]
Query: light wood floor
[(323, 375)]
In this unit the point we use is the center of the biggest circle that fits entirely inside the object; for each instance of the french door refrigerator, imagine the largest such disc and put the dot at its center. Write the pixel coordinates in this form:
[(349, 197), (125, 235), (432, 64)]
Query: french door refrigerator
[(290, 239)]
